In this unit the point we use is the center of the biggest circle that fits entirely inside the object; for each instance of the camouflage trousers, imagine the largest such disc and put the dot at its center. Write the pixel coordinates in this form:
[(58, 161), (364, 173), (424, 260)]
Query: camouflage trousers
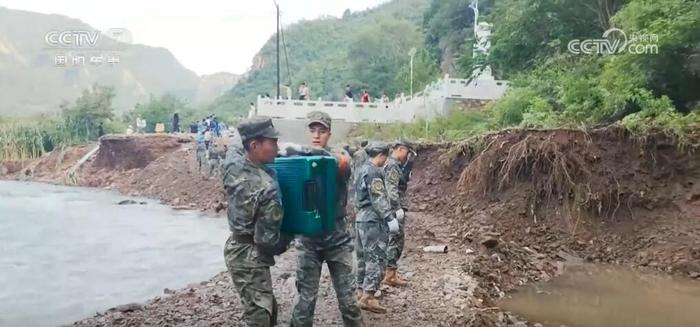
[(254, 286), (394, 248), (338, 258), (370, 248), (213, 167), (201, 158)]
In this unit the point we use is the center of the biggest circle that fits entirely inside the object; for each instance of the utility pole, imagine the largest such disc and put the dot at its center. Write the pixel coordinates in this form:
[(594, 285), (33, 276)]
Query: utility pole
[(412, 53), (278, 49)]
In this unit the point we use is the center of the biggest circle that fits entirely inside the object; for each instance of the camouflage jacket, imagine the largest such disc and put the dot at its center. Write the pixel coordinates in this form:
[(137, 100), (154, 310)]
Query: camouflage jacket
[(395, 183), (215, 154), (407, 168), (371, 200), (254, 210), (359, 157)]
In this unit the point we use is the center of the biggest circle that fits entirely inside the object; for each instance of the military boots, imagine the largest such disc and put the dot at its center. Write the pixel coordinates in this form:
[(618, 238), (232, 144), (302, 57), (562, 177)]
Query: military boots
[(370, 303), (392, 278)]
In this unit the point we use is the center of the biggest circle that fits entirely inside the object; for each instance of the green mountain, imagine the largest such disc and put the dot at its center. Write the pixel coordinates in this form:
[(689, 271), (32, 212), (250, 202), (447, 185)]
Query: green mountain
[(367, 49)]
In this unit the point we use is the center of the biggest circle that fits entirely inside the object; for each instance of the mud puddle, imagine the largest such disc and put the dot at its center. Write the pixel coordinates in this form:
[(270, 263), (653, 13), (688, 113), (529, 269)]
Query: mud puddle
[(604, 296)]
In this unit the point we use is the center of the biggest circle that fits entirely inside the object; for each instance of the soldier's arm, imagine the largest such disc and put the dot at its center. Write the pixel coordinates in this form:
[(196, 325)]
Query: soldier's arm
[(393, 177), (378, 196), (408, 166), (267, 236), (240, 193), (347, 172)]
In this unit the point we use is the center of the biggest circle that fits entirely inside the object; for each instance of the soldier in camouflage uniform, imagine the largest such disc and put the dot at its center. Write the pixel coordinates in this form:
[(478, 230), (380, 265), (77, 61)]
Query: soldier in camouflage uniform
[(200, 153), (396, 185), (359, 156), (335, 248), (374, 217), (213, 157), (255, 216)]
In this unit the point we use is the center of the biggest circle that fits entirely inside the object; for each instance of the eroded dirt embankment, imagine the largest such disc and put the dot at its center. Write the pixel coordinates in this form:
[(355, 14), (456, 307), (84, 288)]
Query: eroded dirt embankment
[(156, 166), (529, 200), (512, 207)]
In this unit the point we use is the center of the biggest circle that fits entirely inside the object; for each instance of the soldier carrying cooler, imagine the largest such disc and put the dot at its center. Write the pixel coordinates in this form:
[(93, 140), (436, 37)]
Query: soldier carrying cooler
[(334, 248), (255, 217)]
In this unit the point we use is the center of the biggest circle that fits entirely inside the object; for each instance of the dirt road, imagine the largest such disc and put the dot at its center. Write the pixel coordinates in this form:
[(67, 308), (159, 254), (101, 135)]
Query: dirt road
[(439, 294)]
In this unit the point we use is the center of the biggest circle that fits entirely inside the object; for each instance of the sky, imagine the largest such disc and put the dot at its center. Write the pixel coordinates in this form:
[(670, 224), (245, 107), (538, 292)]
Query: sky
[(206, 36)]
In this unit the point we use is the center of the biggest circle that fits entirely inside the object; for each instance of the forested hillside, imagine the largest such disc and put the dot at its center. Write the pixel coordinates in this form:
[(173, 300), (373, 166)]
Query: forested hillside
[(368, 50), (649, 85)]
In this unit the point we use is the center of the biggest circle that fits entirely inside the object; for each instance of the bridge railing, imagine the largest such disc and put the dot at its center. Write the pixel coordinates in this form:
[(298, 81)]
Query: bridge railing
[(455, 88), (427, 104), (347, 111)]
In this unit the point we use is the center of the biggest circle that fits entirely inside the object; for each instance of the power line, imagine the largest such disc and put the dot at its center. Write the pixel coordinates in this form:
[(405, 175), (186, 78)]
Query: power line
[(286, 58), (278, 48)]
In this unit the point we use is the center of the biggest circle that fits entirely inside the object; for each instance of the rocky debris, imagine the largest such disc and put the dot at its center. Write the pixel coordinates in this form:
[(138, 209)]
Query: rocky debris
[(490, 242), (129, 202), (435, 249), (127, 307)]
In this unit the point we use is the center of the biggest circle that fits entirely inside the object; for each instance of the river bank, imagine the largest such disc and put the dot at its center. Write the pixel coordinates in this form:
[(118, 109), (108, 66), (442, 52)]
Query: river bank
[(514, 209)]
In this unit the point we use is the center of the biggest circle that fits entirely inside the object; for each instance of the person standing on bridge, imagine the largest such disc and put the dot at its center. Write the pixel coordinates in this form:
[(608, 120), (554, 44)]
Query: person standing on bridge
[(334, 248), (255, 214), (396, 185), (303, 91), (365, 97), (348, 93), (384, 98)]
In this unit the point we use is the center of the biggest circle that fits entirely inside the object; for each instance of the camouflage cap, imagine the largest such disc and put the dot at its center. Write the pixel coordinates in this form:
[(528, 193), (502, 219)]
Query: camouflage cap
[(319, 117), (255, 127), (375, 148)]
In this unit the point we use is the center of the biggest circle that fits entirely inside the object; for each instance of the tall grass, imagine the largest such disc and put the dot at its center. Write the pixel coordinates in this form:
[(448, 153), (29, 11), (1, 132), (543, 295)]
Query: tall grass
[(27, 139), (457, 125)]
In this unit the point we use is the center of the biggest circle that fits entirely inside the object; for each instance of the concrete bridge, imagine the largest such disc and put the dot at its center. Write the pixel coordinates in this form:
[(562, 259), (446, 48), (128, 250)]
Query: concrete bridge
[(433, 101)]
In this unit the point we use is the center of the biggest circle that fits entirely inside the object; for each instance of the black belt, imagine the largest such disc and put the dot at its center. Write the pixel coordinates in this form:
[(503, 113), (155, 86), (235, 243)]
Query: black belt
[(243, 239)]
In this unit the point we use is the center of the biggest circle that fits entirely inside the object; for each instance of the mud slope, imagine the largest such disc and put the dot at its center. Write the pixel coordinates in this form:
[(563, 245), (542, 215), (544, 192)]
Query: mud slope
[(530, 199), (162, 167)]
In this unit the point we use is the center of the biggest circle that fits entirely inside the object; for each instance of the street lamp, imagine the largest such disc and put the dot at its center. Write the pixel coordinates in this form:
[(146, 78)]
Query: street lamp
[(412, 53)]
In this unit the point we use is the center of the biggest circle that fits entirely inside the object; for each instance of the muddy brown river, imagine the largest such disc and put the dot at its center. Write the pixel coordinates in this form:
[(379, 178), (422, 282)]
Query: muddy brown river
[(609, 297), (68, 252)]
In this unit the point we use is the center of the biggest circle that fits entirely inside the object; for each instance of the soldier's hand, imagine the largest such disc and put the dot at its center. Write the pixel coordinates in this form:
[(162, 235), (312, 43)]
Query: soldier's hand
[(400, 214), (293, 149), (393, 225), (289, 149)]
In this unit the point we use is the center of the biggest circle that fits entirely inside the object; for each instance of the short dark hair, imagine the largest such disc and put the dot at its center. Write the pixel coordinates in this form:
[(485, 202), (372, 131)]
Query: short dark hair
[(364, 143), (372, 153), (246, 143)]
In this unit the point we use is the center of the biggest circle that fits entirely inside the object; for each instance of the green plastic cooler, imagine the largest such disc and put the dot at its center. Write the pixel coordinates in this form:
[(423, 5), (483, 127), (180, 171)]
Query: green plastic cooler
[(308, 187)]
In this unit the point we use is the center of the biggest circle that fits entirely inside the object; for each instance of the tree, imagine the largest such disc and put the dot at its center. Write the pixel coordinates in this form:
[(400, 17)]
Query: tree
[(93, 107), (526, 32), (380, 54), (675, 70), (425, 71), (159, 110)]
